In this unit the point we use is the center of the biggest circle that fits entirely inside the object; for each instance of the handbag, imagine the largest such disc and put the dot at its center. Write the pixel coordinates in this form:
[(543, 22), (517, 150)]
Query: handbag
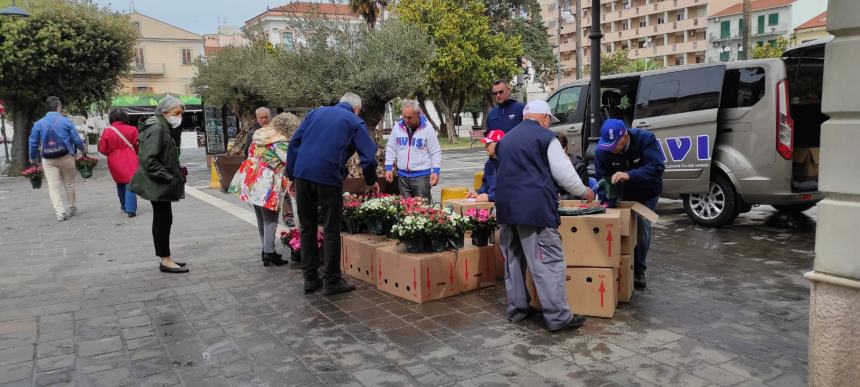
[(184, 173)]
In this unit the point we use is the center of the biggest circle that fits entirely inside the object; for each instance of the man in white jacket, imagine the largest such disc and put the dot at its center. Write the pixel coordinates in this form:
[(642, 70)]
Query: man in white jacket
[(414, 150)]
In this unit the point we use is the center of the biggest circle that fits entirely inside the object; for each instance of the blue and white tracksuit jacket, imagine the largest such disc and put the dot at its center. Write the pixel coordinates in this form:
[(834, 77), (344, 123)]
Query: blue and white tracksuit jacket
[(416, 155)]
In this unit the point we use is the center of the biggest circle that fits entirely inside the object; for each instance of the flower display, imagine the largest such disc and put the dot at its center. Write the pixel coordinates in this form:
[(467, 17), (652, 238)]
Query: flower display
[(85, 162), (460, 223), (292, 238), (33, 173), (480, 218), (351, 204), (411, 227)]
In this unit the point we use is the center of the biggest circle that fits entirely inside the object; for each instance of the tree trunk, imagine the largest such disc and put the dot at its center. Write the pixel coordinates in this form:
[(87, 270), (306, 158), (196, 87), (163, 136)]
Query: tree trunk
[(460, 103), (23, 117), (578, 39), (487, 103), (448, 114), (423, 103), (747, 40)]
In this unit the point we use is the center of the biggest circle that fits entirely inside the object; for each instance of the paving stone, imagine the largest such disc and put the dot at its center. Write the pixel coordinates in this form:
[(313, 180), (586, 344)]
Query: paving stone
[(15, 372), (385, 374), (163, 379), (56, 376), (16, 354), (150, 366), (100, 346), (54, 363), (109, 378), (752, 369)]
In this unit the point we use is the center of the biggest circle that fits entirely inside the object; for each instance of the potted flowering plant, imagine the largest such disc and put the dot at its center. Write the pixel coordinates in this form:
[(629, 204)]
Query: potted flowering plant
[(292, 238), (482, 223), (460, 224), (410, 230), (441, 230), (380, 213), (85, 165), (35, 175), (353, 222)]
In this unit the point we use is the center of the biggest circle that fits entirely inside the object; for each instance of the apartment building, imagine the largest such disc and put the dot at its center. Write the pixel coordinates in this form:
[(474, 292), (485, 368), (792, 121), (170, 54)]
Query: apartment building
[(815, 28), (281, 25), (671, 32), (227, 36), (164, 58), (770, 20)]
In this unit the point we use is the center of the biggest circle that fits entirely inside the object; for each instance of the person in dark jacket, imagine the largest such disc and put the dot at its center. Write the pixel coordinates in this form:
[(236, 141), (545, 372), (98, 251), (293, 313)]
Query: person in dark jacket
[(158, 177), (532, 166), (508, 113), (487, 191), (631, 161), (316, 167)]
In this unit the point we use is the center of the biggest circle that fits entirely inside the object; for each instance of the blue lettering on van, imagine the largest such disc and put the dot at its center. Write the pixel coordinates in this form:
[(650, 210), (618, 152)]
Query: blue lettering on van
[(679, 147), (662, 153), (703, 148)]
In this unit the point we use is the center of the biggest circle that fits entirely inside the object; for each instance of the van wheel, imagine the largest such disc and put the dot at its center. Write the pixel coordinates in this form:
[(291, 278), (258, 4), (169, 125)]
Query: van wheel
[(716, 208), (794, 208)]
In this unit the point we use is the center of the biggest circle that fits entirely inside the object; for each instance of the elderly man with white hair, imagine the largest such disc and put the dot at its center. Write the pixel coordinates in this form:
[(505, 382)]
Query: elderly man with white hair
[(414, 148), (316, 166), (532, 166), (264, 116)]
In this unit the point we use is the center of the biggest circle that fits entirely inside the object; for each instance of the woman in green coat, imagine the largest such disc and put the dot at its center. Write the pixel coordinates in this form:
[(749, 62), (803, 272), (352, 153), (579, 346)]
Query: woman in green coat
[(158, 178)]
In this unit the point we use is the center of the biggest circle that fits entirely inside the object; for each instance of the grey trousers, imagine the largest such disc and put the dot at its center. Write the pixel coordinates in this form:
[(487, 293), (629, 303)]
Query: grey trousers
[(267, 224), (539, 249), (415, 187)]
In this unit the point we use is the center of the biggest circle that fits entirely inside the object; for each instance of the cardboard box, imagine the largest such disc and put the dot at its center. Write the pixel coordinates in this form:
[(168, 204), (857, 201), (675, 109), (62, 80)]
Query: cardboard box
[(461, 205), (629, 212), (592, 240), (475, 267), (592, 291), (358, 255), (416, 277), (499, 264), (578, 204), (805, 162), (625, 278)]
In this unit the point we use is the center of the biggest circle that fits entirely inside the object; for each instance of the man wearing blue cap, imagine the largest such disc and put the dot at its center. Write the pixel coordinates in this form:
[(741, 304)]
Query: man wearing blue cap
[(630, 160)]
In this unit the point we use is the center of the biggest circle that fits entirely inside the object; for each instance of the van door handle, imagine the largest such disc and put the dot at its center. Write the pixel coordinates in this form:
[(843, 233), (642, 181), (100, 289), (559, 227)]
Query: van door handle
[(643, 124)]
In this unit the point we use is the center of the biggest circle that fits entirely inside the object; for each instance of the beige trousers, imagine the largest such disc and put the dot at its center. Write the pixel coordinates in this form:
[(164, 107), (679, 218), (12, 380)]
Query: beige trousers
[(60, 174)]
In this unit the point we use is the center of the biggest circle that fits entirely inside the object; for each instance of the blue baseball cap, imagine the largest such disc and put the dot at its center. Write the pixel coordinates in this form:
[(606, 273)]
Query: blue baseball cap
[(610, 133)]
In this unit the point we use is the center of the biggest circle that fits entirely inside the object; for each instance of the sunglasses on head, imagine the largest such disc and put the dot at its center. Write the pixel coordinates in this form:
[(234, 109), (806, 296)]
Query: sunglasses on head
[(500, 92)]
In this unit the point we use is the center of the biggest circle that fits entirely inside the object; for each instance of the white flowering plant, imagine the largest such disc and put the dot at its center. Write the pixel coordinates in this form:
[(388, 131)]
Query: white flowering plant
[(411, 227), (459, 222), (381, 208)]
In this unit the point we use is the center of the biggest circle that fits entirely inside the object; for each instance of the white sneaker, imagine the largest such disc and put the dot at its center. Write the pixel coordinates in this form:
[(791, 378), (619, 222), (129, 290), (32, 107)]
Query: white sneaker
[(72, 211), (61, 216)]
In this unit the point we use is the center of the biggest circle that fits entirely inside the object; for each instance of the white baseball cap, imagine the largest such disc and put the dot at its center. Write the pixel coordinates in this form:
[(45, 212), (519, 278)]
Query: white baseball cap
[(539, 107)]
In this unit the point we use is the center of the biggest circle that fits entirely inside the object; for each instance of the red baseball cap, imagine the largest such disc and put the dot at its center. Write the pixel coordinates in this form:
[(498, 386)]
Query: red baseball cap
[(493, 136)]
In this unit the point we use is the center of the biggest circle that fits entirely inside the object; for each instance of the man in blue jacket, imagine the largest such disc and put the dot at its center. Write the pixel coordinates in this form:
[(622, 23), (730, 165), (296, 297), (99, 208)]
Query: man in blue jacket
[(508, 113), (630, 159), (316, 167)]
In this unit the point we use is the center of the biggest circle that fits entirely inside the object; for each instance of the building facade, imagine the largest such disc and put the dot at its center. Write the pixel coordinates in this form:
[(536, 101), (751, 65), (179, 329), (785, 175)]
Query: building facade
[(227, 36), (281, 26), (770, 20), (815, 28), (164, 58), (670, 32)]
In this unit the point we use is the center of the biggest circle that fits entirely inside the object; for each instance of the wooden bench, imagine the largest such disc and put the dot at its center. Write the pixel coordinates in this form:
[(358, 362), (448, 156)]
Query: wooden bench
[(476, 135)]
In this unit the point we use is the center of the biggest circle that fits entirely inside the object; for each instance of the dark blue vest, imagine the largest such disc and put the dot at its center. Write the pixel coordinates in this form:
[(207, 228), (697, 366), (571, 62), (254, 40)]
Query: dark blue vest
[(526, 193)]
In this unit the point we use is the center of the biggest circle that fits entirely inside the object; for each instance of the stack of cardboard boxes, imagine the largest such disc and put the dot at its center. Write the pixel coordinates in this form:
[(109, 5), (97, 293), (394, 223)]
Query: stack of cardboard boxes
[(598, 251), (422, 277)]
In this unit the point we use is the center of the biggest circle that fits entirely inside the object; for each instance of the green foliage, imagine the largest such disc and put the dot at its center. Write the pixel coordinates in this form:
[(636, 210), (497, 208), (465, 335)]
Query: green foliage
[(614, 63), (523, 18), (643, 65), (468, 55), (771, 50)]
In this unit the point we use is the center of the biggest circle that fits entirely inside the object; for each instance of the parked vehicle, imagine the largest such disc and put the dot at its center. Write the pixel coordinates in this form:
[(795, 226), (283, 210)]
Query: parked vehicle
[(729, 131)]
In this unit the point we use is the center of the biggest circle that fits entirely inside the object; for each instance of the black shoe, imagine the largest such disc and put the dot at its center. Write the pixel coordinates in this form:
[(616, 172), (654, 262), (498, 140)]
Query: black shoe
[(175, 270), (519, 316), (575, 322), (132, 214), (337, 286), (180, 264), (312, 285), (639, 280), (273, 259)]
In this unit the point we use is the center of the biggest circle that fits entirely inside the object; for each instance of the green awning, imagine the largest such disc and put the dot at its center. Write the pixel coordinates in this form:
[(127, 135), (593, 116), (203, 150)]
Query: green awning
[(150, 100)]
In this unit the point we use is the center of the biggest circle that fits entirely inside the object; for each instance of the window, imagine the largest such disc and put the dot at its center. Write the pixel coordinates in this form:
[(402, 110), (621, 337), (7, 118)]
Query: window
[(760, 43), (138, 56), (660, 20), (760, 27), (141, 89), (741, 26), (771, 42), (287, 39), (679, 92), (565, 103), (608, 49), (625, 25), (551, 24), (724, 56), (742, 87), (136, 27), (551, 7), (186, 56), (725, 29), (643, 24), (773, 19)]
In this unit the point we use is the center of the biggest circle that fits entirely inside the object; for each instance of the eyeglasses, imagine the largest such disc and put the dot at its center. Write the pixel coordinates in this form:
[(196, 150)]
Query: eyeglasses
[(500, 92)]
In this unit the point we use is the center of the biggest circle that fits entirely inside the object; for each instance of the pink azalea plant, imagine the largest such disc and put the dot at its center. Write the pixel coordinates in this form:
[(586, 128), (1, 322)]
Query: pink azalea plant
[(481, 218), (293, 239)]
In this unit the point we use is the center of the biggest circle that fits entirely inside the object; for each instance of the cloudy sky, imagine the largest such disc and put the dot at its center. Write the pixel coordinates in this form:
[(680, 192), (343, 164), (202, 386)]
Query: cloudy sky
[(198, 16)]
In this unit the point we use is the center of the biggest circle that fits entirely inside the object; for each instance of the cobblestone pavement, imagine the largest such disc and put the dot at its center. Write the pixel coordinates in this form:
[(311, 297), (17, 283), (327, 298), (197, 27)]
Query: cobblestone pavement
[(82, 303)]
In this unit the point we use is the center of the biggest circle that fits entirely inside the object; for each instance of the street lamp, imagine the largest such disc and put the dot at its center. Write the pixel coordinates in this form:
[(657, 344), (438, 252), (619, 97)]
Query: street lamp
[(14, 11)]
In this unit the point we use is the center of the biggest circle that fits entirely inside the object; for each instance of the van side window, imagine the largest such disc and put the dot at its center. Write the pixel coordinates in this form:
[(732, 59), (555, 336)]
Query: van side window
[(679, 92), (743, 87), (565, 103)]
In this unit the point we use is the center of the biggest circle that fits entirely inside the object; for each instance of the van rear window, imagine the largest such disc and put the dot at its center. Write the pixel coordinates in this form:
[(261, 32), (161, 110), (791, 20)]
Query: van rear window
[(743, 87)]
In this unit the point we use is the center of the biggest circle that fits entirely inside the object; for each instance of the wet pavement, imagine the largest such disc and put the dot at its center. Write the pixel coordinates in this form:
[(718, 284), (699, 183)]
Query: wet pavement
[(82, 303)]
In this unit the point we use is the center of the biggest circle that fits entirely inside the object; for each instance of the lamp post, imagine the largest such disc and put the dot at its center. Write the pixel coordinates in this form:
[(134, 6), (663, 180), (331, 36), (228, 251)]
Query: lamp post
[(14, 11)]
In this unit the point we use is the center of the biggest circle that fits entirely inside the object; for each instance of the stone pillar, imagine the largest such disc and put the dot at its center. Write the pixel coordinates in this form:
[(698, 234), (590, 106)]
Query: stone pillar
[(834, 339)]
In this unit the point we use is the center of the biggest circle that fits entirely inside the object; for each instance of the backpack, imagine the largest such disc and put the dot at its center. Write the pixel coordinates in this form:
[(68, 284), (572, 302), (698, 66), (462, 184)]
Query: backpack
[(52, 145)]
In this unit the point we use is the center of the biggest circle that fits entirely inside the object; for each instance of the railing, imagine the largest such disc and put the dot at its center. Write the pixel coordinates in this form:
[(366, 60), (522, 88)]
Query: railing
[(147, 68)]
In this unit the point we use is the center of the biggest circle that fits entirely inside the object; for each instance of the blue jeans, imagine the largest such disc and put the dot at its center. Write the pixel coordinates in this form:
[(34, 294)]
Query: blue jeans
[(127, 199), (643, 234)]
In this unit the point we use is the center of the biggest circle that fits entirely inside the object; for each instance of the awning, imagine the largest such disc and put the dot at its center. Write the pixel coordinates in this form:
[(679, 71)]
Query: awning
[(151, 100)]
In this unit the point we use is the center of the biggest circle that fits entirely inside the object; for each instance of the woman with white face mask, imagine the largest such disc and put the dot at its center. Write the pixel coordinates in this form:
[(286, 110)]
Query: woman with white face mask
[(158, 177)]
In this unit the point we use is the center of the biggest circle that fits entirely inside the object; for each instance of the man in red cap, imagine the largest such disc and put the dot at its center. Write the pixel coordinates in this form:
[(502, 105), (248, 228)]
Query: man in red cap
[(487, 191)]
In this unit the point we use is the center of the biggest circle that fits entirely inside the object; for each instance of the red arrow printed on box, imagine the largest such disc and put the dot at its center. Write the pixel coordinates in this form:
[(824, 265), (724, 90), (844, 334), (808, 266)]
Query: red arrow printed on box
[(466, 273), (428, 278), (602, 290), (609, 241)]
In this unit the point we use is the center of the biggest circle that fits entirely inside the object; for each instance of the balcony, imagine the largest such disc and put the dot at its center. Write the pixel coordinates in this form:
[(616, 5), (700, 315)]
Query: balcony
[(147, 69), (779, 29), (666, 49), (713, 38)]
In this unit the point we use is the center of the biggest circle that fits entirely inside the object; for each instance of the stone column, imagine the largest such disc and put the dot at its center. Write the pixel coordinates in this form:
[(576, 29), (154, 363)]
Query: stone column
[(834, 321)]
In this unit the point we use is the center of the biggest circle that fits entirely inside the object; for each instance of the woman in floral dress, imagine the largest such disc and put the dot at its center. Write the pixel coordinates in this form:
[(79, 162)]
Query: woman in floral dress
[(261, 181)]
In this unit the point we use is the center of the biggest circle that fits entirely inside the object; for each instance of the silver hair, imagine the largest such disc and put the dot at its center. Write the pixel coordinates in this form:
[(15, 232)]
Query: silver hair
[(167, 104), (263, 110), (412, 104), (352, 99)]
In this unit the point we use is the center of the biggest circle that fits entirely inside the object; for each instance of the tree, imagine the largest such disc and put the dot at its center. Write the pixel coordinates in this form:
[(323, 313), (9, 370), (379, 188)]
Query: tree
[(369, 10), (523, 18), (771, 50), (468, 55), (72, 49), (746, 41), (642, 65), (614, 63)]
